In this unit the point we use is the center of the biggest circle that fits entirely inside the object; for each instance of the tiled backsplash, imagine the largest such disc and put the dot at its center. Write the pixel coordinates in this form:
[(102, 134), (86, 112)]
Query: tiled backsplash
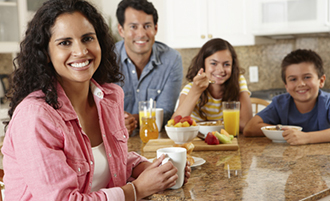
[(267, 57), (6, 64)]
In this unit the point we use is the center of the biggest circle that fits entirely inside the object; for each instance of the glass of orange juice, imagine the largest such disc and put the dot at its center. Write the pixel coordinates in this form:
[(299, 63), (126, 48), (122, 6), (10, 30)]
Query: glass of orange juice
[(230, 111), (146, 108)]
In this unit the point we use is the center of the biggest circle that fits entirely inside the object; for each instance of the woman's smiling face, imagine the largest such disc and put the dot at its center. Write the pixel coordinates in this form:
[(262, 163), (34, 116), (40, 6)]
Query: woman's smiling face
[(73, 48), (218, 66)]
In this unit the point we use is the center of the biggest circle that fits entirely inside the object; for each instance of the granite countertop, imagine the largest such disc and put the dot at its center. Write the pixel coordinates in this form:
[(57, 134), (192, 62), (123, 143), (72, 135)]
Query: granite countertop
[(258, 170)]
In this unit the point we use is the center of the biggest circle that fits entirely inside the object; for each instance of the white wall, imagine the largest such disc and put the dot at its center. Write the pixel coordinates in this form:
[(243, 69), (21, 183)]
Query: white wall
[(108, 9)]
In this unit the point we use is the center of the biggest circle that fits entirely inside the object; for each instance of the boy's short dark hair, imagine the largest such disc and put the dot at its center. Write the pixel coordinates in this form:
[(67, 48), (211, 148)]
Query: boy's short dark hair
[(143, 5), (299, 56)]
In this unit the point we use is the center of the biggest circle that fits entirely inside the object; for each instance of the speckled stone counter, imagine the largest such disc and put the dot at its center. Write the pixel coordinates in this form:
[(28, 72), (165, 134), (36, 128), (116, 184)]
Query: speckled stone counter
[(258, 170)]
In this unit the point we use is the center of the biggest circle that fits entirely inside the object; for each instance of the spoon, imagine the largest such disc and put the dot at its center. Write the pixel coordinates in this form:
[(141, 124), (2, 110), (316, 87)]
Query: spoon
[(210, 81), (278, 127)]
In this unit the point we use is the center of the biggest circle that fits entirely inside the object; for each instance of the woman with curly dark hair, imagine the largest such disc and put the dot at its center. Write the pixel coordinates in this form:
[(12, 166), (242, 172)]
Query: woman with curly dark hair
[(214, 76), (66, 139)]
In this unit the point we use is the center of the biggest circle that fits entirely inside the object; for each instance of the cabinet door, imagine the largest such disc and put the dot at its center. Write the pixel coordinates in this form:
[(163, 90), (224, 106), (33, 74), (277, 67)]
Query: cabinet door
[(191, 23), (27, 9), (14, 16), (8, 22), (291, 17), (9, 27), (230, 20), (182, 23)]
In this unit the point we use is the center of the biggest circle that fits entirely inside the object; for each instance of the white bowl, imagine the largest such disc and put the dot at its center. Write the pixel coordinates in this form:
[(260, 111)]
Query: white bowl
[(181, 135), (205, 129), (276, 135)]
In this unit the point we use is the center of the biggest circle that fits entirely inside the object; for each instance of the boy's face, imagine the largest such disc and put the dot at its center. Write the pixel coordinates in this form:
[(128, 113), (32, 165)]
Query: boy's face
[(302, 82)]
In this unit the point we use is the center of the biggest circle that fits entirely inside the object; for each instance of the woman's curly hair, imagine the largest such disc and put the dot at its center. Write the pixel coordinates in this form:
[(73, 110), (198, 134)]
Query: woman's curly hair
[(33, 71), (231, 86)]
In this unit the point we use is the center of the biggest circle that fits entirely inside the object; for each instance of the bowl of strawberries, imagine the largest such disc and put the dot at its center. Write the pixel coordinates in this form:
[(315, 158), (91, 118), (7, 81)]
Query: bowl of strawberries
[(181, 129)]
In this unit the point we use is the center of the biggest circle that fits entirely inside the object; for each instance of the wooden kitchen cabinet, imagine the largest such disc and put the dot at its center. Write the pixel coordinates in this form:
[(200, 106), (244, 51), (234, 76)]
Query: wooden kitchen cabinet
[(14, 16), (191, 23), (285, 17)]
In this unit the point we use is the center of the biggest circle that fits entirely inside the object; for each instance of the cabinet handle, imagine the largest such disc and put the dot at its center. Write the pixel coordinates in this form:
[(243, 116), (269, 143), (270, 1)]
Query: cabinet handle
[(202, 36), (210, 36)]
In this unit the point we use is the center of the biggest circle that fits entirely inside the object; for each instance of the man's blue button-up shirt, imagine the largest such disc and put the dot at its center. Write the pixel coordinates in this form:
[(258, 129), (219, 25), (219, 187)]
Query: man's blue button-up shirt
[(160, 79)]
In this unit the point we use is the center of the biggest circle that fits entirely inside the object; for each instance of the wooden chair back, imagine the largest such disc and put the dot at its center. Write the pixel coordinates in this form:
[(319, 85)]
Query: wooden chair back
[(258, 101)]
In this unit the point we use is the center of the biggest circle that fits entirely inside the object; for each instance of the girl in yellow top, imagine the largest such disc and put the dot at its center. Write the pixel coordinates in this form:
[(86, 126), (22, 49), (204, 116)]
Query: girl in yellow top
[(214, 76)]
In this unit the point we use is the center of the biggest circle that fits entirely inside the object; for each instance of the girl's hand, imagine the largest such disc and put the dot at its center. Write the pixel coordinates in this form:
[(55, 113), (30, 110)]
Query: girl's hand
[(187, 172), (156, 178), (295, 137), (200, 81)]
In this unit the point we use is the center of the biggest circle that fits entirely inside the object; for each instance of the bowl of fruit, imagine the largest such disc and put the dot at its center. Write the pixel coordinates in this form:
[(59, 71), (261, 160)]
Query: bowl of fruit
[(181, 129)]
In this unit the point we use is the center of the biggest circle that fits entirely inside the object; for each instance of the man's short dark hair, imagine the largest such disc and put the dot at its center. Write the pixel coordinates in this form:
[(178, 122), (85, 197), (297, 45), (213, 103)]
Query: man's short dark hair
[(142, 5)]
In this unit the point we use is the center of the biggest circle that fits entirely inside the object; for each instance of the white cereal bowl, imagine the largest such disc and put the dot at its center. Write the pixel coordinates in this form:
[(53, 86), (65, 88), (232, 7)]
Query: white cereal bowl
[(205, 127), (276, 135), (181, 135)]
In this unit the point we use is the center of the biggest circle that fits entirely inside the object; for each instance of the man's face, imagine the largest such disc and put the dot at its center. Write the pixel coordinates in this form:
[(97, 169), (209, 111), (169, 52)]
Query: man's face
[(138, 32)]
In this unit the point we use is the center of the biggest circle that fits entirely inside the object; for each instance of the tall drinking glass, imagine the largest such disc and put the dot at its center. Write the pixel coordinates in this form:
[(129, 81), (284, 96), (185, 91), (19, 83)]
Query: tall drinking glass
[(230, 113), (145, 108)]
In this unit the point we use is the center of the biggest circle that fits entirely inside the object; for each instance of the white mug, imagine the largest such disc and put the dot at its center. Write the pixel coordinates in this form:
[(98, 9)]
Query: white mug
[(159, 118), (178, 156)]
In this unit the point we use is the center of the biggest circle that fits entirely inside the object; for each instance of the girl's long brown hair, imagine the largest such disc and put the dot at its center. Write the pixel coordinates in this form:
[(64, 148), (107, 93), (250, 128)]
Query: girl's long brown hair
[(231, 86)]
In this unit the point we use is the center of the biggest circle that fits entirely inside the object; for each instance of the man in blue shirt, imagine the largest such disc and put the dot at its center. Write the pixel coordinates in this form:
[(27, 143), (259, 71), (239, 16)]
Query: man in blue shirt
[(151, 68)]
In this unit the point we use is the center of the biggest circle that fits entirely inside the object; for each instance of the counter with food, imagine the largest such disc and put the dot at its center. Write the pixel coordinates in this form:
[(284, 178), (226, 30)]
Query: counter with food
[(258, 170)]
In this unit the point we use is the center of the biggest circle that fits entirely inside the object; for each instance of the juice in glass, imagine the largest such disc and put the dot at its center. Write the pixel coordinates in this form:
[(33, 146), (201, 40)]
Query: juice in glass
[(231, 121), (146, 114), (231, 116), (145, 108), (148, 129)]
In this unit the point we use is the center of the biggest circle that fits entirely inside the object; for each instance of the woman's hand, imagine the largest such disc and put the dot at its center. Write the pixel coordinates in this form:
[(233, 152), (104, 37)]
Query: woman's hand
[(156, 178), (187, 172)]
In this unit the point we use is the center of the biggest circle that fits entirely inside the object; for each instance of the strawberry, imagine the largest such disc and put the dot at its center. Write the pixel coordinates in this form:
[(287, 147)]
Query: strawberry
[(211, 139), (177, 119), (208, 137), (187, 119), (214, 141)]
